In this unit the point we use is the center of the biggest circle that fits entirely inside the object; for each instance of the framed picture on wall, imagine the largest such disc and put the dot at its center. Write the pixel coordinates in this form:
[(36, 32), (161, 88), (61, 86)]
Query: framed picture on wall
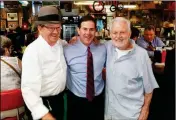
[(12, 17), (12, 24), (3, 25)]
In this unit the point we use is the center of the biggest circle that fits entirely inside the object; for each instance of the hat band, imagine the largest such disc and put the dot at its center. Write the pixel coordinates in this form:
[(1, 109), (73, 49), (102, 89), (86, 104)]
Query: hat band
[(54, 17)]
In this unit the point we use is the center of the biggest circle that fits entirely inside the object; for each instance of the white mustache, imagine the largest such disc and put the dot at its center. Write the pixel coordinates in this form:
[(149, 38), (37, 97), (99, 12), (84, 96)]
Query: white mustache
[(119, 39)]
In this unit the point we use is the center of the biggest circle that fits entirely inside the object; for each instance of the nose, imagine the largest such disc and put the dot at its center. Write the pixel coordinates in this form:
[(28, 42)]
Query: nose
[(117, 35), (87, 31), (149, 37)]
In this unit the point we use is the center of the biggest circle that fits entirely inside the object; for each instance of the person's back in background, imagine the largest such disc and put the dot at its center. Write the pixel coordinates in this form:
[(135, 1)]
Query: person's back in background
[(9, 78), (134, 33)]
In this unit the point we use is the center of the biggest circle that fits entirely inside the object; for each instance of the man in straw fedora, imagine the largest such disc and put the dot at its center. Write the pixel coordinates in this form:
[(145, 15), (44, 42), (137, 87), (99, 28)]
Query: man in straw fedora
[(44, 68)]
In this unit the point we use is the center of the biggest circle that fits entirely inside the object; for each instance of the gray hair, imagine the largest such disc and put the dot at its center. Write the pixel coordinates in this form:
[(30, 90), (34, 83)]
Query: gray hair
[(5, 43), (119, 20)]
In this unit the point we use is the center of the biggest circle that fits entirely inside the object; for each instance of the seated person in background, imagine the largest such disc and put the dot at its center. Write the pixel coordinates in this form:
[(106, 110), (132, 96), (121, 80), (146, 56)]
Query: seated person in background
[(9, 78), (134, 33), (149, 41)]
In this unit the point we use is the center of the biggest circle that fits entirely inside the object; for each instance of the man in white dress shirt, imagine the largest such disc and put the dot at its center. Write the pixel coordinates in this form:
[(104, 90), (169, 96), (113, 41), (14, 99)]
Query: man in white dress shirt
[(44, 68), (129, 78)]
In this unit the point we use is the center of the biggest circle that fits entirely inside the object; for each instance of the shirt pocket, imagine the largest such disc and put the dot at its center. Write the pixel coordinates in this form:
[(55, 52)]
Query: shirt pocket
[(123, 82), (134, 85), (133, 77), (134, 81)]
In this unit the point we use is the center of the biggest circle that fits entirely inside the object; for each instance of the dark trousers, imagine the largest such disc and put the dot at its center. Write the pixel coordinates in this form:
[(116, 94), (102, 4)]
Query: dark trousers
[(81, 109), (55, 104)]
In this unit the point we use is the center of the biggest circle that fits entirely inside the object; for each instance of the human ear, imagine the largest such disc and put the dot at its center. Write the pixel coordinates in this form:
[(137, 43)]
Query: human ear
[(78, 31), (7, 52)]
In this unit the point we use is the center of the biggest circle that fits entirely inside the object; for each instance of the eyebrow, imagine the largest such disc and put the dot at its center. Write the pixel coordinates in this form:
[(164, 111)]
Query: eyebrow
[(52, 25), (87, 28)]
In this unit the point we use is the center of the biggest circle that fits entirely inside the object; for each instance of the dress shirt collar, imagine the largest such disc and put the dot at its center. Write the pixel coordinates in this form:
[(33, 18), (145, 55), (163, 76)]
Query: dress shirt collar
[(133, 43), (84, 47), (132, 51), (44, 42)]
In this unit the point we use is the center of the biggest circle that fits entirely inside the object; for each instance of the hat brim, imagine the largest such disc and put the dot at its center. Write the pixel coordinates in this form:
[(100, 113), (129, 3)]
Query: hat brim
[(36, 23)]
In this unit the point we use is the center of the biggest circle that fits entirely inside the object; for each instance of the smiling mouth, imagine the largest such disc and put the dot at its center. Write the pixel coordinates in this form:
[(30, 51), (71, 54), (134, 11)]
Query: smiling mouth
[(54, 36), (118, 40), (87, 37)]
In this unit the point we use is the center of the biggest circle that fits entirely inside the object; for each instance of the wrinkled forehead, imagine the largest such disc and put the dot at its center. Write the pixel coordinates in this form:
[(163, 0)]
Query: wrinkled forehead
[(120, 25)]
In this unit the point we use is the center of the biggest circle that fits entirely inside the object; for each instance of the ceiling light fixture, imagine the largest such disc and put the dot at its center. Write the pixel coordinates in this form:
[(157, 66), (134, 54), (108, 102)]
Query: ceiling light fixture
[(2, 4), (129, 6), (24, 3), (83, 2)]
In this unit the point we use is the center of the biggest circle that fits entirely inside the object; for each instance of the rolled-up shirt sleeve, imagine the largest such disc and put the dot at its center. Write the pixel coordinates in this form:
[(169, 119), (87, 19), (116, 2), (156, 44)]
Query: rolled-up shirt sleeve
[(149, 80), (31, 83)]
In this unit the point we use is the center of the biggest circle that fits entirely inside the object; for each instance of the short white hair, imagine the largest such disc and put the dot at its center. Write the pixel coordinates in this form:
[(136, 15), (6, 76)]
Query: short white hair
[(119, 20)]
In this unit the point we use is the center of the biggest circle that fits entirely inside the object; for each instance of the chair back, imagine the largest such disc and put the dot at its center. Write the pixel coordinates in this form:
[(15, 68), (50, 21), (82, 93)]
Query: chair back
[(11, 100)]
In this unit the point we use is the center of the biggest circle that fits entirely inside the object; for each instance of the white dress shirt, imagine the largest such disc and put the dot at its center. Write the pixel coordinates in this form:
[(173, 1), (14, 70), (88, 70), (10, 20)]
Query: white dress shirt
[(43, 74)]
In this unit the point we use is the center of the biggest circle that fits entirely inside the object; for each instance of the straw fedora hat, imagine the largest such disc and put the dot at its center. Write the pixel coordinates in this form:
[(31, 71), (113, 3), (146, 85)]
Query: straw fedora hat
[(48, 15)]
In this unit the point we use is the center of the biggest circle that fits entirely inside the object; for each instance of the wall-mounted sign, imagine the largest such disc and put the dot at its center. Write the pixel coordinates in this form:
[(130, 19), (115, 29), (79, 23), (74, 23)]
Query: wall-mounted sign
[(12, 17), (12, 25), (114, 8), (98, 6), (3, 25), (11, 4)]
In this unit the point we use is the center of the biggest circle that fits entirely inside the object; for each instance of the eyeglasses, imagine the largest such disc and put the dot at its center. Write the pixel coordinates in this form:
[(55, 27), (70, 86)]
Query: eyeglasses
[(51, 29)]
